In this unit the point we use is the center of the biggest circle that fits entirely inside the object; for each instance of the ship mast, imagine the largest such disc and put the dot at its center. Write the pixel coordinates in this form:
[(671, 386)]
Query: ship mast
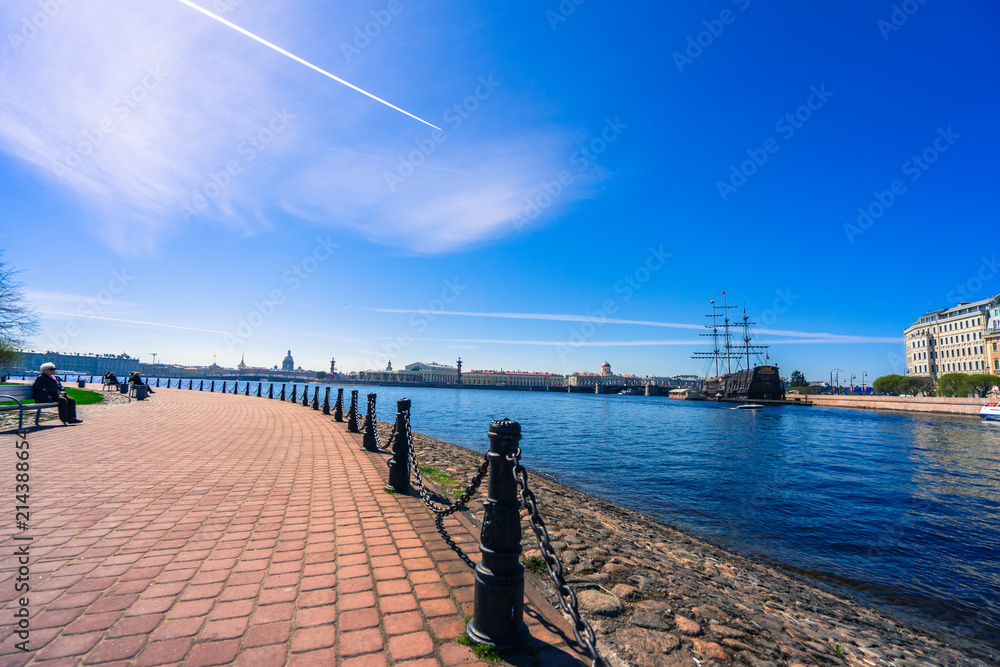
[(729, 347), (729, 351), (716, 353), (747, 347)]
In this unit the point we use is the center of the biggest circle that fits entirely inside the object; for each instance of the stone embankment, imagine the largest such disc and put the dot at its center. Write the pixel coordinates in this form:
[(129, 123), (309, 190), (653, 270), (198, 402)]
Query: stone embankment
[(941, 404), (656, 596)]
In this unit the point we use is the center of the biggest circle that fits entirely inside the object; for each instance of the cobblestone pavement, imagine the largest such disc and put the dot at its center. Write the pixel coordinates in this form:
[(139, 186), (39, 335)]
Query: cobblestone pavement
[(208, 529)]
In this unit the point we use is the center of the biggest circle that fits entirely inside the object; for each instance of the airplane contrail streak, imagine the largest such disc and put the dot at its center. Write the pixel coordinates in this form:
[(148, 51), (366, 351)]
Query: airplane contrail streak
[(300, 60)]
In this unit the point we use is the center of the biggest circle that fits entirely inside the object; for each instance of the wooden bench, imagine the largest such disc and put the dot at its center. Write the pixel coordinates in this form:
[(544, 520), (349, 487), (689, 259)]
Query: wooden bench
[(19, 393)]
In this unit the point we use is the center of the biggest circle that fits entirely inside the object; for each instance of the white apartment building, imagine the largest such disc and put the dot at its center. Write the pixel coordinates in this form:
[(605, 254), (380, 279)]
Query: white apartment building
[(949, 340)]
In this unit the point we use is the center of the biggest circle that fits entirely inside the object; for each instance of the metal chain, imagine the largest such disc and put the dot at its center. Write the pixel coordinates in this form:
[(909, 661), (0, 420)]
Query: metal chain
[(470, 490), (567, 598), (392, 439)]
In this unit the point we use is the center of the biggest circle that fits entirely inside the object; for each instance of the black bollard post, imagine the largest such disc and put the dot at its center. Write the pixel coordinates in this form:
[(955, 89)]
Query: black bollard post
[(498, 606), (326, 402), (338, 408), (294, 389), (157, 383), (259, 386), (282, 397), (368, 441), (223, 386), (201, 385), (316, 399), (236, 386), (305, 396), (399, 464), (246, 389), (270, 391), (352, 414)]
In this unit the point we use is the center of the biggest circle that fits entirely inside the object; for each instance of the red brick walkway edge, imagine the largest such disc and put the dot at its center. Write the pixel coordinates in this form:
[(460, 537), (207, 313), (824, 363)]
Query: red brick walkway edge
[(201, 528)]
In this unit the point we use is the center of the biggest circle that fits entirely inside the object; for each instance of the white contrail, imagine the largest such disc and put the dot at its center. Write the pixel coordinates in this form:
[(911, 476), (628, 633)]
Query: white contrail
[(299, 60), (819, 336), (115, 319)]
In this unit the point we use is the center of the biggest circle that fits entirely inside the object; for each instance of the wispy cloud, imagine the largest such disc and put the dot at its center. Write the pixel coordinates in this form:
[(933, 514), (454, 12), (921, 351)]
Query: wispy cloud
[(40, 297), (168, 111), (138, 322), (294, 57), (631, 343), (805, 336)]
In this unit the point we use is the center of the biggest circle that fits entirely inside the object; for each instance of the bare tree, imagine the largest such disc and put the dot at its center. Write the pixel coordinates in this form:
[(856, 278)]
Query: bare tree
[(18, 320)]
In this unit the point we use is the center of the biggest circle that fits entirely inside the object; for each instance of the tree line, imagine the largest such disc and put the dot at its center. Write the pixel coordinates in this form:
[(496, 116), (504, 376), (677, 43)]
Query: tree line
[(950, 384)]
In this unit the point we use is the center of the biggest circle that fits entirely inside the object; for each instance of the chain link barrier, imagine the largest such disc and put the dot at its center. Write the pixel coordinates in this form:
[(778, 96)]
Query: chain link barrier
[(467, 495), (567, 597), (377, 435)]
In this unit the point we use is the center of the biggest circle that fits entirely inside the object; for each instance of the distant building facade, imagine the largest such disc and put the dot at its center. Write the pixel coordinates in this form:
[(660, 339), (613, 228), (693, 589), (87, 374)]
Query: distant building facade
[(87, 364), (512, 379), (950, 340), (605, 377), (992, 340), (435, 373), (288, 364)]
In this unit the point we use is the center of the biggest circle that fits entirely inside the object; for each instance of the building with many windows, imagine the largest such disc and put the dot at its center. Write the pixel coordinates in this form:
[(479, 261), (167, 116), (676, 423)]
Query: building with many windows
[(950, 340), (86, 364), (992, 341)]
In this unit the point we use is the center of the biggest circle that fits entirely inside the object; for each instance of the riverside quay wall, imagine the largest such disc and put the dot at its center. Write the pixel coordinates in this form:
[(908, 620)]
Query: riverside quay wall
[(943, 404)]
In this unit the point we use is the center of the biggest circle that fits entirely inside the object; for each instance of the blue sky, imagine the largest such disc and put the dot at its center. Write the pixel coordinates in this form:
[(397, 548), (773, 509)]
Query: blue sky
[(601, 173)]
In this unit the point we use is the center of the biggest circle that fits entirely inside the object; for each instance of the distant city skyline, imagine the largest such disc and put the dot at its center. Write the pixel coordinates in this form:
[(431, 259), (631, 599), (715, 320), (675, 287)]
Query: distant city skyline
[(599, 177)]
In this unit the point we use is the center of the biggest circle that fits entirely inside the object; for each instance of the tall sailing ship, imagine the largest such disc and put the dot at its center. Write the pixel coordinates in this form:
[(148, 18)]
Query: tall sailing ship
[(756, 382)]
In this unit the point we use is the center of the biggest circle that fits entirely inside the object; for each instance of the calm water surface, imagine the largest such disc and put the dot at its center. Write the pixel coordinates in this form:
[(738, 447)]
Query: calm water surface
[(901, 510)]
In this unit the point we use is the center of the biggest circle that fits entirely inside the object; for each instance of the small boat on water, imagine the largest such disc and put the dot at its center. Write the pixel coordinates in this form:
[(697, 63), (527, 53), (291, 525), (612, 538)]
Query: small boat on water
[(990, 411), (748, 406)]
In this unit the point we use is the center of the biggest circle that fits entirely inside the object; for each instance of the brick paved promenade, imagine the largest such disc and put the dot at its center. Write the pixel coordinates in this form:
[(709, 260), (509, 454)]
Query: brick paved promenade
[(210, 529)]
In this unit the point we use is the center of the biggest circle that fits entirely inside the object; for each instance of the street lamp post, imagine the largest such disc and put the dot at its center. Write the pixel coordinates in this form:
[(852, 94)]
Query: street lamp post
[(863, 376), (852, 382), (831, 378)]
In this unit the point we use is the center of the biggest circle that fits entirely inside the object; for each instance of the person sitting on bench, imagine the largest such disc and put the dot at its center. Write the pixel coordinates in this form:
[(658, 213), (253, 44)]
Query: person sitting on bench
[(111, 380), (136, 379), (48, 389)]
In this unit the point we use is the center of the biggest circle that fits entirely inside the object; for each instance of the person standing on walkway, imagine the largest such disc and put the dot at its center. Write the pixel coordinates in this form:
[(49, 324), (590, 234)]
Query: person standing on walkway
[(48, 389)]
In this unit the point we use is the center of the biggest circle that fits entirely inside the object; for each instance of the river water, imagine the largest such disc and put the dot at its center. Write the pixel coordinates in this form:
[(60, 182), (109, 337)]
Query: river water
[(899, 510)]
